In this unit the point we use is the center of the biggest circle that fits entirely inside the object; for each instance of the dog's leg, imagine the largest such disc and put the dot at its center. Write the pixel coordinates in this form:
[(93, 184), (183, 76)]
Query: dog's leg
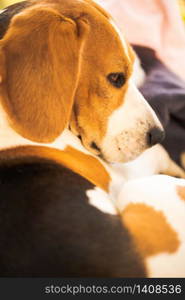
[(168, 166), (155, 160)]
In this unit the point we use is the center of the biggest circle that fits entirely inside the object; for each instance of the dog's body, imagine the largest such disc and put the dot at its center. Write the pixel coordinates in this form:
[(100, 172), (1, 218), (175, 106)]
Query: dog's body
[(69, 207)]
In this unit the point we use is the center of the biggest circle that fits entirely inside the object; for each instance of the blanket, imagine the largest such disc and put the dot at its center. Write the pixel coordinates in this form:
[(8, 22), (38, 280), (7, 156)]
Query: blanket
[(165, 92)]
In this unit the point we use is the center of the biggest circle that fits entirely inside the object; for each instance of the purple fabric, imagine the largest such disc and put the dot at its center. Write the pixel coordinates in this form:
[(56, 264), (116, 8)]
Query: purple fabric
[(165, 92)]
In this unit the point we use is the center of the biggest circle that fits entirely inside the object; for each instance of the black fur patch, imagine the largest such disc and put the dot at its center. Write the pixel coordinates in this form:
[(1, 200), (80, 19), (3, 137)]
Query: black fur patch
[(48, 228)]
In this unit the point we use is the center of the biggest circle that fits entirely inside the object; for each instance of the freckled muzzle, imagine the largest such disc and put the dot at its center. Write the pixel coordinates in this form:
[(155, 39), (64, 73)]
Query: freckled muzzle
[(132, 128)]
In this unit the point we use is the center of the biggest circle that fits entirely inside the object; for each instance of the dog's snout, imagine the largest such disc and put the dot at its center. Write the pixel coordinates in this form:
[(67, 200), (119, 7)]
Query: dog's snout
[(155, 136)]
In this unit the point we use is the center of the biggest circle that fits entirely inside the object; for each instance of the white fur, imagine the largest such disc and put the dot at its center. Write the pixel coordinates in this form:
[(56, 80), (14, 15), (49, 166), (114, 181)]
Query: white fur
[(134, 108), (138, 74), (101, 200), (154, 160)]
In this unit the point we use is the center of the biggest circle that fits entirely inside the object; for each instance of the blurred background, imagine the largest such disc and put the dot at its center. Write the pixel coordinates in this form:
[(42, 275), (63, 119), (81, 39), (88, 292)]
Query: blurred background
[(182, 8), (4, 3)]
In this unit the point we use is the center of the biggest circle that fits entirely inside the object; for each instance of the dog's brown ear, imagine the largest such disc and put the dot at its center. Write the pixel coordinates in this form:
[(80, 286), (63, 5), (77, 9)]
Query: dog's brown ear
[(39, 68)]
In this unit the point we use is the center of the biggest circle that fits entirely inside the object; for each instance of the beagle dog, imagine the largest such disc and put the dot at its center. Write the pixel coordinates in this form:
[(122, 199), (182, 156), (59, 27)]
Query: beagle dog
[(71, 120)]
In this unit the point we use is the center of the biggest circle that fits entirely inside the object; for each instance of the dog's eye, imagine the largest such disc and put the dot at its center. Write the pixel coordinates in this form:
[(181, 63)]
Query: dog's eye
[(116, 79)]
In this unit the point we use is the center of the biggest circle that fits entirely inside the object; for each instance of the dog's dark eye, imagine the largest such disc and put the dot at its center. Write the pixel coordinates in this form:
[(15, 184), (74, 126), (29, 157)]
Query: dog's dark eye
[(116, 79)]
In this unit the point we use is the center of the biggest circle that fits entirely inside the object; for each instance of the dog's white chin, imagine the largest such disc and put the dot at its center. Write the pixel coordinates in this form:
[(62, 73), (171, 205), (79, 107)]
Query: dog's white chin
[(125, 147), (120, 156)]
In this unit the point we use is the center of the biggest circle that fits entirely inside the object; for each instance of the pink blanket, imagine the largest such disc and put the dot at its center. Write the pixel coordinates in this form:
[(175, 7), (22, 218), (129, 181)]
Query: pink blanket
[(152, 23)]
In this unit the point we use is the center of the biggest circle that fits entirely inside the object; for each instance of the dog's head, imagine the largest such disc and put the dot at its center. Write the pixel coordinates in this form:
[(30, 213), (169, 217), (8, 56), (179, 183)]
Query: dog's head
[(63, 63)]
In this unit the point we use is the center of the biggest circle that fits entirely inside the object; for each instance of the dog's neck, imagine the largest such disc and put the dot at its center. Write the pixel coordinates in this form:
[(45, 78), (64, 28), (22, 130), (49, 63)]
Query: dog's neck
[(9, 139)]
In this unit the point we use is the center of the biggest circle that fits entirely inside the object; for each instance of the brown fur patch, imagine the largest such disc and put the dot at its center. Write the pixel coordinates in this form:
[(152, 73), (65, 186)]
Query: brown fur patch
[(83, 164), (152, 233), (181, 191)]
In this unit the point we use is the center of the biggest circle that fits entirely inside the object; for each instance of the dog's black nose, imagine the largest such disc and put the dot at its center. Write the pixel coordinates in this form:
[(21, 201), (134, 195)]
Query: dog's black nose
[(155, 136)]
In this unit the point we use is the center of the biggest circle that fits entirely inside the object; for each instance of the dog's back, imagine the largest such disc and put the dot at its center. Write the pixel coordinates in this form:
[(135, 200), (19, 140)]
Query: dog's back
[(48, 228)]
